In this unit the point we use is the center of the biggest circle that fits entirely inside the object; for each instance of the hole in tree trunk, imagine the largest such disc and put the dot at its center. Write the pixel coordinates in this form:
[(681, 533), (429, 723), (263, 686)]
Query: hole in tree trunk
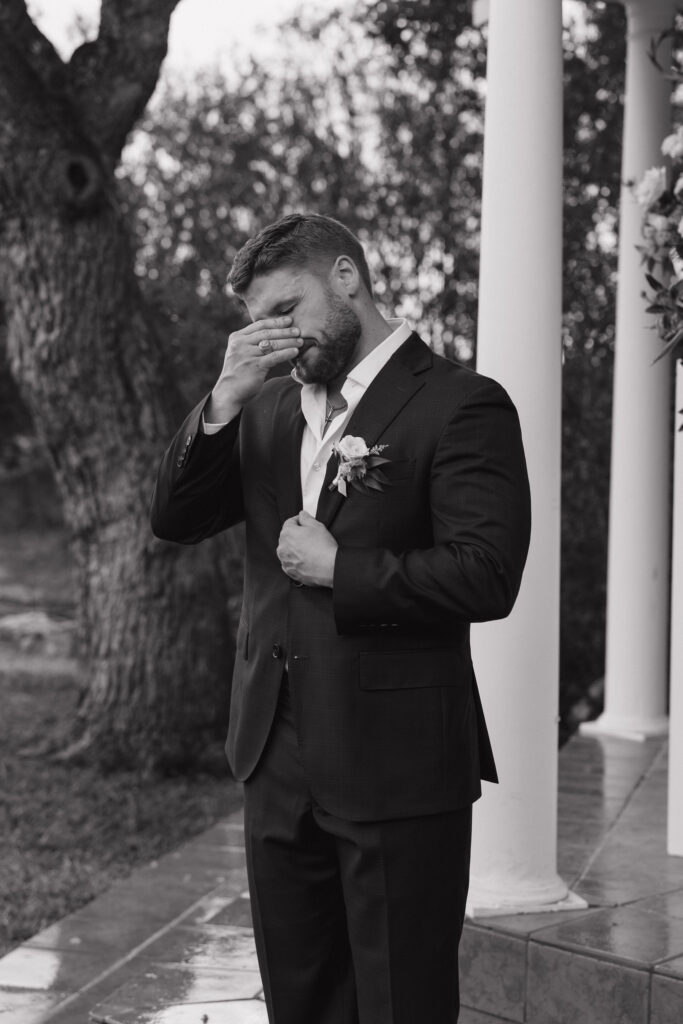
[(77, 175), (81, 180)]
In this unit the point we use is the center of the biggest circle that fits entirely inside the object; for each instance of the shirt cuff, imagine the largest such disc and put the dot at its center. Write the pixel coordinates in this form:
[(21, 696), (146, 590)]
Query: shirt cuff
[(212, 428)]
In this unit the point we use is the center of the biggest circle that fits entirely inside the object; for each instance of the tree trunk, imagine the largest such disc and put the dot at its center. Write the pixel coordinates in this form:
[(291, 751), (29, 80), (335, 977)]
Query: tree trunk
[(155, 636)]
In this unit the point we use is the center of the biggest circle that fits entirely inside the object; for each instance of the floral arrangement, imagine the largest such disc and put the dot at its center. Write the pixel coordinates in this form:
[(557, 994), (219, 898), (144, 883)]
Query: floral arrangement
[(358, 465), (660, 193)]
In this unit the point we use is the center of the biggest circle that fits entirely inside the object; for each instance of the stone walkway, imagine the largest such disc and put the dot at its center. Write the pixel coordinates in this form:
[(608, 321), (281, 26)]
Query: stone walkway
[(173, 944)]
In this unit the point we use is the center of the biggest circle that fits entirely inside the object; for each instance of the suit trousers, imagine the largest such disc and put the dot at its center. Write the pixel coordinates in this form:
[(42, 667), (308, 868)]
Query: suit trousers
[(354, 922)]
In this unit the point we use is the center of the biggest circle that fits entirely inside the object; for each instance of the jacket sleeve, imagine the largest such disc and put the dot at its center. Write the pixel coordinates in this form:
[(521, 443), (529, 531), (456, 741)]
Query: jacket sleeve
[(480, 512), (198, 489)]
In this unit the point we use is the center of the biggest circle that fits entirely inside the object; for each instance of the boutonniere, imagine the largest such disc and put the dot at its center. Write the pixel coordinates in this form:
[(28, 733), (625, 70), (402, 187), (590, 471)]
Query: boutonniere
[(359, 465)]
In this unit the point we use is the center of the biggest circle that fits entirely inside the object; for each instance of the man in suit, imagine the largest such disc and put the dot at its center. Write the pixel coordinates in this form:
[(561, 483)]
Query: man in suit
[(355, 721)]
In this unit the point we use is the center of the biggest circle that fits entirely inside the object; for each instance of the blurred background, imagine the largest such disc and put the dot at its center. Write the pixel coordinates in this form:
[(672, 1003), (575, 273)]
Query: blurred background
[(125, 210)]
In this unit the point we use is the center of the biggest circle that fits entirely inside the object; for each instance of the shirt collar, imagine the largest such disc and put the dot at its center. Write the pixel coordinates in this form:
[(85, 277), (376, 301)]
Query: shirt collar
[(366, 371)]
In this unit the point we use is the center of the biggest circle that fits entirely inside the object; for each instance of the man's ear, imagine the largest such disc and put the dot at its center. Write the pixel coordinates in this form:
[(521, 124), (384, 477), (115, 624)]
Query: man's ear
[(344, 276)]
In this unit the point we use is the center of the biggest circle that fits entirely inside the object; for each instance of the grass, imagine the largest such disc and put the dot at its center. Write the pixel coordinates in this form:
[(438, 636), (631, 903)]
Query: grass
[(66, 831)]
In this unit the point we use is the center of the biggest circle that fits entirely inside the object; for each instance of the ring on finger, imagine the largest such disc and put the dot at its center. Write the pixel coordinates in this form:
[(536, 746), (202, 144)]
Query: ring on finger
[(265, 346)]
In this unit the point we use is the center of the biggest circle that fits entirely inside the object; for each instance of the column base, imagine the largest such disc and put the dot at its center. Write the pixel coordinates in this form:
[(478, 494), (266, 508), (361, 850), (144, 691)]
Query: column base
[(627, 728), (674, 842), (492, 901)]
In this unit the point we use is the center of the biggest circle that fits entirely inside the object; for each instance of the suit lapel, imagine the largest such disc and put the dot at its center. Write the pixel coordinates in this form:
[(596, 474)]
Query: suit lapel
[(288, 431), (389, 392)]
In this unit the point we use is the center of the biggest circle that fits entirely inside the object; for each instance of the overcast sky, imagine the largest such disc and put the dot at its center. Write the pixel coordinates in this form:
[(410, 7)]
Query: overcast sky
[(202, 31)]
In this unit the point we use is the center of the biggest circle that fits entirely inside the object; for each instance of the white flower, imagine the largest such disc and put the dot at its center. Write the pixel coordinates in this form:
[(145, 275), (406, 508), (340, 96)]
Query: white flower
[(673, 144), (680, 227), (355, 459), (353, 447), (658, 221), (679, 185), (651, 186), (660, 226)]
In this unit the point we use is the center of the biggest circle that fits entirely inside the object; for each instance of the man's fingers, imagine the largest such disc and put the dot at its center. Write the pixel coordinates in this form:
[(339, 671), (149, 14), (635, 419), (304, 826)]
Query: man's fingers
[(264, 337), (265, 343), (273, 334), (278, 356), (277, 341), (250, 354), (272, 323), (264, 351)]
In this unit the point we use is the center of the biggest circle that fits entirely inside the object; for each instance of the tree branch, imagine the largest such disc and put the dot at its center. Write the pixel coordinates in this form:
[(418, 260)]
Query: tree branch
[(46, 158), (112, 78), (67, 123), (17, 28)]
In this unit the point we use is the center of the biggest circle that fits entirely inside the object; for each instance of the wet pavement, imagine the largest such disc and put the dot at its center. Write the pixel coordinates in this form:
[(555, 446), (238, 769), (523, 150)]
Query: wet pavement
[(619, 960), (173, 943)]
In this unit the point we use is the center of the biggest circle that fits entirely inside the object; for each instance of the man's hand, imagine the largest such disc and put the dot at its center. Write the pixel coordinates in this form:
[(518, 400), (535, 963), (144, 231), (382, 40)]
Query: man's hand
[(307, 551), (250, 354)]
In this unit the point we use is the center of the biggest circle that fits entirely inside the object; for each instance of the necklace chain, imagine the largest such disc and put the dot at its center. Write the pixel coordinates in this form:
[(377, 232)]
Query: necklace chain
[(330, 410)]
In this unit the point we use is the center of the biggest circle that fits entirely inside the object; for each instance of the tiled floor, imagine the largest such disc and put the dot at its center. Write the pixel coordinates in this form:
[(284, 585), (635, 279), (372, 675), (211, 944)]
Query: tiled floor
[(618, 961), (173, 943)]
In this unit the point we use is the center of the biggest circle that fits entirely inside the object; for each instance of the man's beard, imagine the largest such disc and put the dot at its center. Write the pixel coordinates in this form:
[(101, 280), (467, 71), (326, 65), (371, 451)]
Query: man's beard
[(334, 351)]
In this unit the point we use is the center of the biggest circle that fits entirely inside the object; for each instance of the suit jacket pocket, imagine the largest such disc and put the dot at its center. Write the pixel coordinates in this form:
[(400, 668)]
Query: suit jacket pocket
[(393, 479), (402, 670), (398, 470)]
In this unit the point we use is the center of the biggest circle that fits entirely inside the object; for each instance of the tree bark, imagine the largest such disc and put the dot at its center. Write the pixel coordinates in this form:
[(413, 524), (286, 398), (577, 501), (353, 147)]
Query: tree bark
[(155, 637)]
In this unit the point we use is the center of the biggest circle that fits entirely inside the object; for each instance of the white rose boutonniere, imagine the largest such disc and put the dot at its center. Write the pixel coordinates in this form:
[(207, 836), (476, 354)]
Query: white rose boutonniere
[(358, 465)]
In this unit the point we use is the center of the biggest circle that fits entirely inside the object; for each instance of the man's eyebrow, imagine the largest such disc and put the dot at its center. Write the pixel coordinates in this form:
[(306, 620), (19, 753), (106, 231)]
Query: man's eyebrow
[(281, 304)]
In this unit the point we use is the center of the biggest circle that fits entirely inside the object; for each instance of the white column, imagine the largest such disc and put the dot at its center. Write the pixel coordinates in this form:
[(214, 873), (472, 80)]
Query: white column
[(675, 811), (519, 344), (636, 670)]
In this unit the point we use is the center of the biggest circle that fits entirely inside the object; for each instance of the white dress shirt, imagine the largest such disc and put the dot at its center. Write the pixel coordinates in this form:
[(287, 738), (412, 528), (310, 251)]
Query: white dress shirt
[(316, 444)]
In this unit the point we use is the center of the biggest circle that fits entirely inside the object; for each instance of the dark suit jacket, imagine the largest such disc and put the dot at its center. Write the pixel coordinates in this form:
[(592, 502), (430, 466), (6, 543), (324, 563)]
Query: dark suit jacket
[(389, 718)]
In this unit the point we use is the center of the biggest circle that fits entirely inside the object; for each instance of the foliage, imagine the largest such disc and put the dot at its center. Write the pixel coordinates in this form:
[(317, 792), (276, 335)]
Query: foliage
[(594, 62), (395, 158), (660, 193), (394, 150), (384, 131)]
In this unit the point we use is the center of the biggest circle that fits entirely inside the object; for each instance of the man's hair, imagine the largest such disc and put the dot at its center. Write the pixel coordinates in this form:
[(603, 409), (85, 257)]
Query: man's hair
[(301, 239)]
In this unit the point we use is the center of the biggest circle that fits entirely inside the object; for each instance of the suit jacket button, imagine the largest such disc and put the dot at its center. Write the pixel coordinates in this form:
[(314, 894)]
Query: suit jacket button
[(277, 651), (180, 461), (188, 440)]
